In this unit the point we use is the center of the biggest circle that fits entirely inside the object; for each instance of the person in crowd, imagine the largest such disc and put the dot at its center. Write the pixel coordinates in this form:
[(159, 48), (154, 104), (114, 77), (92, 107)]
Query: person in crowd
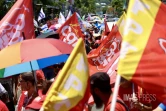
[(96, 30), (49, 73), (87, 40), (28, 88), (7, 97), (16, 88), (3, 107), (102, 93), (3, 99), (161, 107), (36, 104), (58, 67), (136, 98), (40, 78)]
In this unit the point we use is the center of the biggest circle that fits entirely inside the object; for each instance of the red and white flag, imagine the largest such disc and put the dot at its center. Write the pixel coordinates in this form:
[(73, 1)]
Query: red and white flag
[(70, 31), (17, 21), (106, 54)]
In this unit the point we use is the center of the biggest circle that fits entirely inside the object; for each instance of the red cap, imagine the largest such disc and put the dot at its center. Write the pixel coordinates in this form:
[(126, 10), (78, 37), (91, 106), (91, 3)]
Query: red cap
[(40, 75)]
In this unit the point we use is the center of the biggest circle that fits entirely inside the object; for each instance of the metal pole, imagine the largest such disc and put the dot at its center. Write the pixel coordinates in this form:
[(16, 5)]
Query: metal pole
[(23, 35), (115, 93), (34, 75)]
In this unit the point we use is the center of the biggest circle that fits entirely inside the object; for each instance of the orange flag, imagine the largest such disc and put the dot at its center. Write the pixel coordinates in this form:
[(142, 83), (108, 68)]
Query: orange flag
[(70, 31), (17, 21), (143, 52)]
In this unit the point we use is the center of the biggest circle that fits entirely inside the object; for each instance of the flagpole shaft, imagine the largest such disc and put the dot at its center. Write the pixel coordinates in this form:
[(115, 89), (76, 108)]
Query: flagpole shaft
[(34, 75), (23, 35), (115, 93)]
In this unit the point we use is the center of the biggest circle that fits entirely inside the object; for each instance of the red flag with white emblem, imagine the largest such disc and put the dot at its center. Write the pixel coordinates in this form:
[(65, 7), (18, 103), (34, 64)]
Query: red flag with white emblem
[(17, 21), (70, 31)]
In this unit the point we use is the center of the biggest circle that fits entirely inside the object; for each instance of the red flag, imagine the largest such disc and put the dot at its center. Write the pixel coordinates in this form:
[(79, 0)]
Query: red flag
[(106, 53), (18, 20), (107, 30), (70, 31)]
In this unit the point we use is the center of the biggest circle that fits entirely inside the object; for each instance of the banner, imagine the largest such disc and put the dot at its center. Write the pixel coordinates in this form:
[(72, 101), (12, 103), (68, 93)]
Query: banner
[(17, 21), (108, 51), (70, 31), (143, 52), (70, 90)]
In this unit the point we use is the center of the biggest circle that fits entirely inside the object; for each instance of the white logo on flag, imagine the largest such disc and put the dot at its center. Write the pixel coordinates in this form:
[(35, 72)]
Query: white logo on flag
[(12, 33), (161, 41)]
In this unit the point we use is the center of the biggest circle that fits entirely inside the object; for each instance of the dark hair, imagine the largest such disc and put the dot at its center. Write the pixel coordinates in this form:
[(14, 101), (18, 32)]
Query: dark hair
[(101, 80), (46, 87), (123, 79), (28, 76)]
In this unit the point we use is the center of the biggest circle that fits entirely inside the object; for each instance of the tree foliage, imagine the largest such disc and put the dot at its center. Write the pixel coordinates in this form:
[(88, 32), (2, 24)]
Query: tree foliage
[(4, 7), (118, 7), (85, 6)]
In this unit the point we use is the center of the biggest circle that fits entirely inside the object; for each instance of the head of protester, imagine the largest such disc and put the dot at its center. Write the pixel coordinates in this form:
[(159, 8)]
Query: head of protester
[(27, 81), (28, 87), (36, 104), (102, 93), (135, 97)]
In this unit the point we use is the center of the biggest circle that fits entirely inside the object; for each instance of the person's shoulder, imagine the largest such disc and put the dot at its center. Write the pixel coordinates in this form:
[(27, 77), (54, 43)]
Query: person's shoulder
[(118, 107), (3, 107)]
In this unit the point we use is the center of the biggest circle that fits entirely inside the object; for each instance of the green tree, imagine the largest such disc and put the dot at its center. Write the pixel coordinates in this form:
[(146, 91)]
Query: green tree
[(86, 6), (118, 7), (4, 7), (104, 9)]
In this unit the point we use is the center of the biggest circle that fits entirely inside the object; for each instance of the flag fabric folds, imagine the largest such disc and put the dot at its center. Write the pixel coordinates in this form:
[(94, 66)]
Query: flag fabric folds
[(143, 52), (17, 21), (61, 19), (70, 90), (41, 14), (69, 15), (70, 31), (106, 55)]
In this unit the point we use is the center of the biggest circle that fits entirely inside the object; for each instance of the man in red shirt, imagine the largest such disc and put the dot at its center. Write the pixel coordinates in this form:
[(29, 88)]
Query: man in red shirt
[(3, 106), (102, 93), (135, 97)]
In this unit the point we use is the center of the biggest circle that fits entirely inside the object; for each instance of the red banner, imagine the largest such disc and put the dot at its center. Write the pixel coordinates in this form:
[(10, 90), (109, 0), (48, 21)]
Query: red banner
[(17, 21), (107, 53), (107, 30), (70, 31)]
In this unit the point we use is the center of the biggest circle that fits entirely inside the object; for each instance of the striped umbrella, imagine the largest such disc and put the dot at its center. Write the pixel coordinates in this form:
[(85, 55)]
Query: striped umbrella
[(31, 55)]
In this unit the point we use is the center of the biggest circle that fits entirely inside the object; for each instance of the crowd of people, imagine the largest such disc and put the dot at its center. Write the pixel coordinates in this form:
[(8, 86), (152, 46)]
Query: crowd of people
[(27, 91), (29, 94)]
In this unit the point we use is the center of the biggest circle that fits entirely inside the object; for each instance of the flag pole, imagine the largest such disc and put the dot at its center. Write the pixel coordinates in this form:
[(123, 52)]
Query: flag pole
[(23, 35), (34, 75), (115, 93)]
